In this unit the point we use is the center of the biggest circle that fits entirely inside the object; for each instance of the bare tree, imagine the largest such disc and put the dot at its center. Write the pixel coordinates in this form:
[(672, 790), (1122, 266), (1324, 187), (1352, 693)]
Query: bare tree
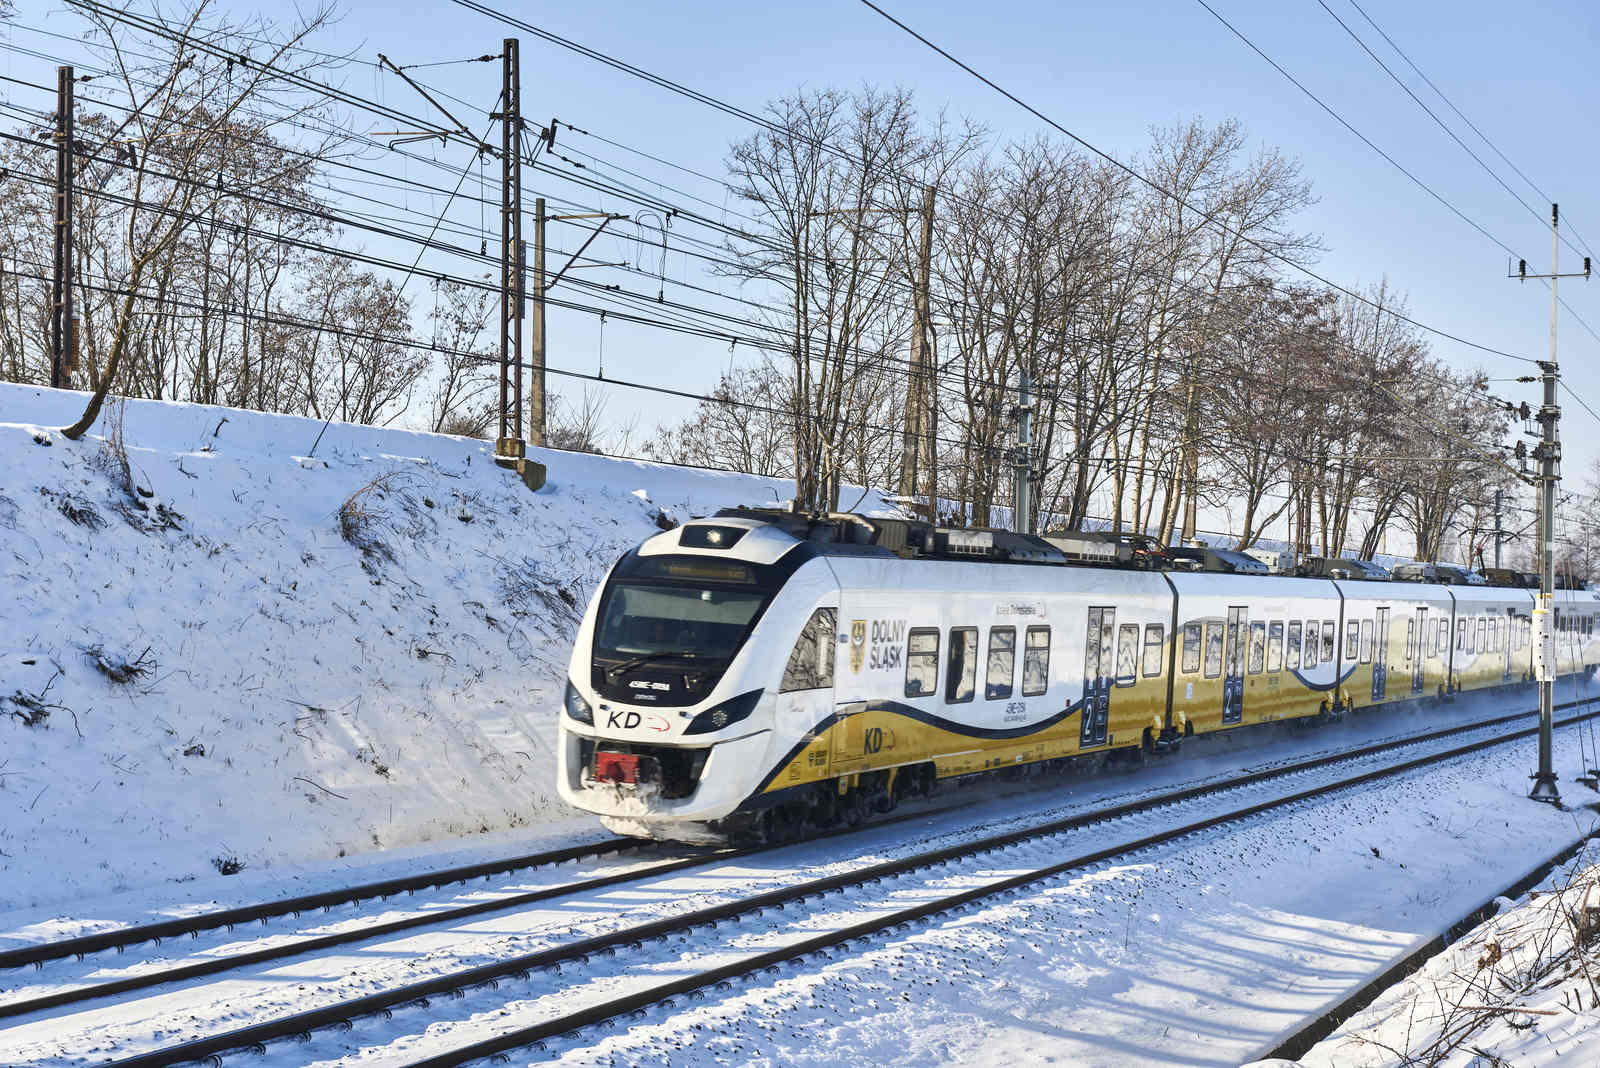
[(463, 401), (820, 180), (180, 108), (744, 426), (355, 362)]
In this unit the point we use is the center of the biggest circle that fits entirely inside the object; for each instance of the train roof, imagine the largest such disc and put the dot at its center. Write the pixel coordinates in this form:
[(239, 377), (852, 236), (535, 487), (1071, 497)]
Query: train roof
[(764, 534)]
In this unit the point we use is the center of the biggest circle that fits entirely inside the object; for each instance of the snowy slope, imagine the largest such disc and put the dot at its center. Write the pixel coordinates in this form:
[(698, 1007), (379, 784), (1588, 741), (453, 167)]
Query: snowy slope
[(1519, 989), (227, 665)]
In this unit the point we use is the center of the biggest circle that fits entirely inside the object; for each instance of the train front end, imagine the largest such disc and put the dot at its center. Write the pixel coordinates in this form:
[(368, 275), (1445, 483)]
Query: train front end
[(667, 725)]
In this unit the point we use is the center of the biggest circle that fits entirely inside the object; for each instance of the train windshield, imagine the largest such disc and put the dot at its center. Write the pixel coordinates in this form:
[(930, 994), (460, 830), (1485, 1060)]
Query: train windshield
[(664, 622), (669, 626)]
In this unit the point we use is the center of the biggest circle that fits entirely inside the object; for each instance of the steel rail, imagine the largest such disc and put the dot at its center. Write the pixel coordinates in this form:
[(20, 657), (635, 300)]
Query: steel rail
[(341, 1013), (630, 1003), (302, 946), (121, 937), (101, 941)]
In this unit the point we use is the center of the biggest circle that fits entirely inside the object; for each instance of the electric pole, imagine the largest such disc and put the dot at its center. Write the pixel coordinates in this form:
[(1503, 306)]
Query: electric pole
[(511, 444), (918, 445), (536, 399), (1022, 460), (1548, 453), (63, 324)]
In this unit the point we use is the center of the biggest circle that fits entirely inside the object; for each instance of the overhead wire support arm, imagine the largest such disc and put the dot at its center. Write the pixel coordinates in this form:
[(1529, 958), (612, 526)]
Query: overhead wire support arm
[(606, 219), (459, 126)]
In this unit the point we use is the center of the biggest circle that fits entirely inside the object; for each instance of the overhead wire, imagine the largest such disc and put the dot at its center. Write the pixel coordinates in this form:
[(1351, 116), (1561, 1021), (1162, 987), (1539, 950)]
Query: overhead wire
[(639, 297), (734, 231), (713, 102)]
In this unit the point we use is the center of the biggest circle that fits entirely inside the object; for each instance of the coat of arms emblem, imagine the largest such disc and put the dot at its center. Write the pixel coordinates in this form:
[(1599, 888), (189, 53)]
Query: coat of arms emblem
[(858, 644)]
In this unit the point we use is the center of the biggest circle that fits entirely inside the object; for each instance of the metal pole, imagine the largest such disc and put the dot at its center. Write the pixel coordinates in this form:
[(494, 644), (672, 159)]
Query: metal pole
[(514, 162), (507, 250), (514, 106), (1022, 469), (1544, 780), (511, 445), (917, 443), (63, 335), (536, 411)]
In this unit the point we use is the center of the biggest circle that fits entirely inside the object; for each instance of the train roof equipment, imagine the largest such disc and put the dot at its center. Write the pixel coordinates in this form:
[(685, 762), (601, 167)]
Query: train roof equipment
[(1508, 577), (1344, 567), (1227, 561), (1129, 549), (1278, 561)]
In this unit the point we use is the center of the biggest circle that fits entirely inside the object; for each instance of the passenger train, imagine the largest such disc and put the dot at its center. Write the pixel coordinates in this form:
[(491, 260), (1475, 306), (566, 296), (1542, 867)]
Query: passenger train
[(761, 673)]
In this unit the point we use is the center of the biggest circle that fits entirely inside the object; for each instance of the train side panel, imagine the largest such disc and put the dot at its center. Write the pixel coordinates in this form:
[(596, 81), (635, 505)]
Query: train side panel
[(972, 666), (1488, 630), (1391, 641), (1252, 649)]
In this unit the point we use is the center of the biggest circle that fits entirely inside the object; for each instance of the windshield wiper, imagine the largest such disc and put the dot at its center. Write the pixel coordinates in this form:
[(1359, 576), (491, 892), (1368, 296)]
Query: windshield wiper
[(618, 670)]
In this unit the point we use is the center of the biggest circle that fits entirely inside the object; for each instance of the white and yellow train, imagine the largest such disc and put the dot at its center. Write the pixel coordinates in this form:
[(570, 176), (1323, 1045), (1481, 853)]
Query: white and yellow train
[(769, 672)]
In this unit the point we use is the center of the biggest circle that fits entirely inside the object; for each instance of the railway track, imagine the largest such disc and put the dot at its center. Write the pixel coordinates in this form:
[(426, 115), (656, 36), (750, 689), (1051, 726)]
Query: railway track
[(120, 939), (881, 916)]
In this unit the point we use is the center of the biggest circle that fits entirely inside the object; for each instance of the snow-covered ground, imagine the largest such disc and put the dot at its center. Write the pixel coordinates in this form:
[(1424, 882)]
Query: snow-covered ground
[(265, 656), (1522, 989), (1202, 951), (344, 666)]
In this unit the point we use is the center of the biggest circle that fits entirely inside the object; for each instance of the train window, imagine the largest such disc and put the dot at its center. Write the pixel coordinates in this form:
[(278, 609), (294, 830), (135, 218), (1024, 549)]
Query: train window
[(961, 673), (1036, 662), (1327, 641), (1275, 647), (1352, 641), (1002, 663), (1128, 654), (1154, 645), (1293, 652), (1461, 635), (1309, 657), (1214, 650), (1411, 639), (1441, 637), (1483, 633), (1191, 648), (1258, 647), (922, 661), (810, 664), (1366, 641)]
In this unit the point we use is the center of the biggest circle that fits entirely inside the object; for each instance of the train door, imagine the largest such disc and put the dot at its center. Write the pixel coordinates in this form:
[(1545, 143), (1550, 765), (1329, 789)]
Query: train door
[(1238, 633), (1380, 657), (1419, 653), (1099, 653), (1507, 652)]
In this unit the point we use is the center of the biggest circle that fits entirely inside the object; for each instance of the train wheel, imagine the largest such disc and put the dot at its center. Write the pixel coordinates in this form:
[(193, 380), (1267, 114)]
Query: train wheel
[(825, 813), (854, 804)]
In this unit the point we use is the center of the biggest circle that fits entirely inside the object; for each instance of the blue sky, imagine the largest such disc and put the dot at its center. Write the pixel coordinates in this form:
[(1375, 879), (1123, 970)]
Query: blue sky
[(1107, 72)]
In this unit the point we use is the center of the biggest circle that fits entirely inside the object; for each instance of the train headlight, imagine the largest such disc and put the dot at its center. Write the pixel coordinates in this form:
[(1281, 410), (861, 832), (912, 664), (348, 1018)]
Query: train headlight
[(577, 707), (728, 712)]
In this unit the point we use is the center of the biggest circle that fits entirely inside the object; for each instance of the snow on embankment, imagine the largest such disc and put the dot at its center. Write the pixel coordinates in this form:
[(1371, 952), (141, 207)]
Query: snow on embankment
[(255, 657), (1523, 989)]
